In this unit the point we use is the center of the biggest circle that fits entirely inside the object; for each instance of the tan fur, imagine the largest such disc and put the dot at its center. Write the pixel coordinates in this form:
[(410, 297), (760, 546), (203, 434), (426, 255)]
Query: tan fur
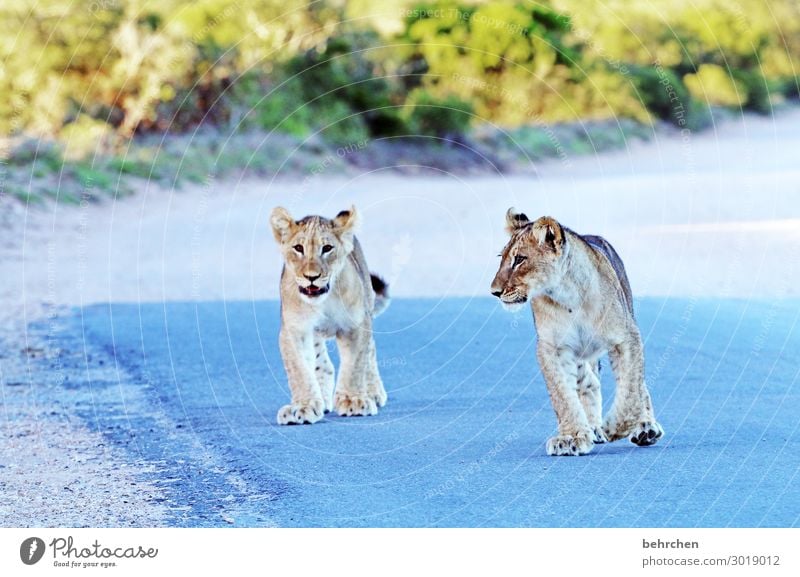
[(582, 308), (318, 253)]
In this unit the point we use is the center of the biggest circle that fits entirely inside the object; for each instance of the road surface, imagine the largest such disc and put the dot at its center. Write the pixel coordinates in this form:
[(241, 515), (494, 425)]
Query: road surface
[(140, 375), (191, 389)]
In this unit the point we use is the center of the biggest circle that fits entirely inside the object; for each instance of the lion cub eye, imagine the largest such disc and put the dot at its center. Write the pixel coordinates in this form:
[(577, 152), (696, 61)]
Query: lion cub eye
[(327, 248), (298, 248), (518, 260)]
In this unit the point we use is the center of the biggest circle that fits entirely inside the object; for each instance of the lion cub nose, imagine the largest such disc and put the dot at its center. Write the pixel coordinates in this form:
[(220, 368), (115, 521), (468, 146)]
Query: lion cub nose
[(311, 277), (497, 293)]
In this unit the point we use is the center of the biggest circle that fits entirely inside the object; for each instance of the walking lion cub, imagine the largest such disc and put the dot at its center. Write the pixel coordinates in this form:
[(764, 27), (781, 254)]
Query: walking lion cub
[(582, 307), (327, 292)]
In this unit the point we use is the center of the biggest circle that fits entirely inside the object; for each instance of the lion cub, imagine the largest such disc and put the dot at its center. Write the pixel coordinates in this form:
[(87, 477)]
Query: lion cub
[(582, 307), (326, 292)]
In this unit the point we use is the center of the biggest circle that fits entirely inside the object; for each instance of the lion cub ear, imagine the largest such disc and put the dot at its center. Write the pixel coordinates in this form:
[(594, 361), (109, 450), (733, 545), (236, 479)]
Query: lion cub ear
[(282, 223), (549, 233), (515, 220), (345, 224)]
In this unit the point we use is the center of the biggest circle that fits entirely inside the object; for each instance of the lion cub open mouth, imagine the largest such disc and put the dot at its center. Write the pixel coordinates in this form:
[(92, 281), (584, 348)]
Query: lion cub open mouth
[(314, 291)]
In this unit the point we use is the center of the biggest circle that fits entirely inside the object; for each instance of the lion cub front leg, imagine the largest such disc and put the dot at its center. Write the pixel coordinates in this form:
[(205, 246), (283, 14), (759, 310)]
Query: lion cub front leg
[(375, 387), (559, 369), (591, 398), (307, 404), (323, 371), (352, 398), (632, 412)]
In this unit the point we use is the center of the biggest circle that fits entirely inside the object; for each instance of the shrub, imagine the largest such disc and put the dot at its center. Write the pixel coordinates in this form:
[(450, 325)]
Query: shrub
[(429, 115), (790, 87), (141, 66), (713, 84), (342, 77), (258, 102), (339, 124), (666, 97), (85, 137), (757, 90), (662, 93)]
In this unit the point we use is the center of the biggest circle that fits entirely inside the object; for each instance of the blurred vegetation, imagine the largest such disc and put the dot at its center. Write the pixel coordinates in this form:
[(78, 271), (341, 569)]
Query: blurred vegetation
[(97, 85)]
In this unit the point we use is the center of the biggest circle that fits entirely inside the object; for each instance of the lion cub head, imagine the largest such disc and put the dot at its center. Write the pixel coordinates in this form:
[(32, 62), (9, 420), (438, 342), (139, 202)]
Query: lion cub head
[(315, 248), (531, 261)]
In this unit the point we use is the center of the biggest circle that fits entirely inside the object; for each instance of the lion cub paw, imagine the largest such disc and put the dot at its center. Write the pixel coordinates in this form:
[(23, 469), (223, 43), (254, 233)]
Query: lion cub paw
[(352, 405), (646, 433), (378, 395), (613, 432), (569, 445), (301, 413), (599, 436)]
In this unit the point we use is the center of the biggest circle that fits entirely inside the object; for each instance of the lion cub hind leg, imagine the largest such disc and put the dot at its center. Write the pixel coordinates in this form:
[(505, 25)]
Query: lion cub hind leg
[(591, 399), (575, 436), (632, 413), (352, 398), (323, 371)]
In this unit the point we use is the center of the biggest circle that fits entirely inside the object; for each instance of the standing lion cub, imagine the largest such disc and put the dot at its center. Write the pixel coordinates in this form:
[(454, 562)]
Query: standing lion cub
[(326, 292), (582, 307)]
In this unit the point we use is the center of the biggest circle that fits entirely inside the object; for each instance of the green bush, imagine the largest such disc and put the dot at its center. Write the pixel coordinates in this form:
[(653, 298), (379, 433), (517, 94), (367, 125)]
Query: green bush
[(511, 60), (270, 106), (662, 93), (790, 87), (713, 84), (666, 97), (429, 115), (339, 124), (85, 137), (77, 74), (757, 90), (342, 76)]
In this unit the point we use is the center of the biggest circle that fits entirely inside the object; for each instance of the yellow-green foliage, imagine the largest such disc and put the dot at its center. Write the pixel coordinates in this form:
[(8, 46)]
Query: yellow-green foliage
[(61, 59), (511, 60), (117, 60), (69, 66), (756, 43), (713, 84), (568, 59)]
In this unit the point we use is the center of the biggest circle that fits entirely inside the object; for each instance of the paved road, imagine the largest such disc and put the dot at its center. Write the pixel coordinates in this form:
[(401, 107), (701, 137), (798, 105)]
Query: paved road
[(180, 398), (192, 389)]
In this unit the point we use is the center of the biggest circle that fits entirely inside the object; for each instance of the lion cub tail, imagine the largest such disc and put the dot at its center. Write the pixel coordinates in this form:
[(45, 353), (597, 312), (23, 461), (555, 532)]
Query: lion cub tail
[(381, 294)]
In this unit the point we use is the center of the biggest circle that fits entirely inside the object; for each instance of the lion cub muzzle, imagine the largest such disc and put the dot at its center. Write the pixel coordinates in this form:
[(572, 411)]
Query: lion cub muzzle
[(510, 296), (313, 290)]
